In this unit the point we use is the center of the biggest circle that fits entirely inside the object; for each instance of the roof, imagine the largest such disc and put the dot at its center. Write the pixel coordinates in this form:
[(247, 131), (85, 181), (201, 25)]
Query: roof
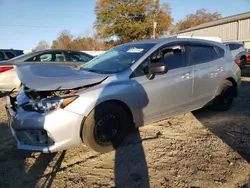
[(225, 20), (174, 39)]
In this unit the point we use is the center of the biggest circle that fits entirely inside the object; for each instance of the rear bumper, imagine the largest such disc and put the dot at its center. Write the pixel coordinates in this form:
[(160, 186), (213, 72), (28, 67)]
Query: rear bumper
[(52, 132)]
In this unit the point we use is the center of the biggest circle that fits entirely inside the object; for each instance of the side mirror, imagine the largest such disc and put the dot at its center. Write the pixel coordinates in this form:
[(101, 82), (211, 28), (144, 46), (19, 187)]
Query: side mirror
[(156, 68)]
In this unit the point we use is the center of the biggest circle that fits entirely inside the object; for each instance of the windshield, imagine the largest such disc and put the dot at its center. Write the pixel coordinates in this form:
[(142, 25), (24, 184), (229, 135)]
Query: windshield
[(118, 58)]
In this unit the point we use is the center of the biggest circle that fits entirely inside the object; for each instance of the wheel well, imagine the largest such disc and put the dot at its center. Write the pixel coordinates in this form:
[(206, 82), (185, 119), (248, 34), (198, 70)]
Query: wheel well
[(245, 57), (125, 106), (232, 80)]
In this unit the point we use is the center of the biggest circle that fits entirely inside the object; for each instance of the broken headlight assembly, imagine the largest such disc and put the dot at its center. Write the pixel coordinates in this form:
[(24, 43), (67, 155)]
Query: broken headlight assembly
[(47, 105)]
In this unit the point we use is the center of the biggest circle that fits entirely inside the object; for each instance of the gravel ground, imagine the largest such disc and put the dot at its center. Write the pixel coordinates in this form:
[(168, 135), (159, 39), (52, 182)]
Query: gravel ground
[(199, 149)]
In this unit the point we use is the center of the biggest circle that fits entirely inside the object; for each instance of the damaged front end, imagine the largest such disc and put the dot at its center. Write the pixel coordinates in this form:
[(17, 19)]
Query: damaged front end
[(46, 101), (37, 115), (39, 122)]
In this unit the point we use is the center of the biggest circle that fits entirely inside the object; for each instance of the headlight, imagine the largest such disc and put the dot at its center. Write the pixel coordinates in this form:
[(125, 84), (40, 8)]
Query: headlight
[(46, 105)]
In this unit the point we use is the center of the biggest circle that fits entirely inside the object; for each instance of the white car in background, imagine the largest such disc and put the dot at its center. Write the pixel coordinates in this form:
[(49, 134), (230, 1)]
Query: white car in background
[(8, 77)]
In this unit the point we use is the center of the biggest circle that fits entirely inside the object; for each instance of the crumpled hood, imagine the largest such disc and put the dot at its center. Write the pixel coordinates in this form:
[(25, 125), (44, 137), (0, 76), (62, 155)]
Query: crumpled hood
[(52, 77)]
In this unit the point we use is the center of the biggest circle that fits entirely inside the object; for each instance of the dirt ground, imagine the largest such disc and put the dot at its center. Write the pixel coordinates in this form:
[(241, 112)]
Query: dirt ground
[(199, 149)]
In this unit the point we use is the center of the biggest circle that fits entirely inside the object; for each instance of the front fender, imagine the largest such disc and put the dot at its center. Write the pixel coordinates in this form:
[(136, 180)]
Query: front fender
[(125, 92)]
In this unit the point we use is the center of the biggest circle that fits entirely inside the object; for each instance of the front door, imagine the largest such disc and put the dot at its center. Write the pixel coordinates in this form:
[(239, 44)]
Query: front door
[(167, 93)]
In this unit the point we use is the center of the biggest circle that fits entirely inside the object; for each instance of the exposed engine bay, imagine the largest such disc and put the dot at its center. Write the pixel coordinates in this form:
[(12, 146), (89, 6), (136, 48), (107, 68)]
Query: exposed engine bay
[(50, 94)]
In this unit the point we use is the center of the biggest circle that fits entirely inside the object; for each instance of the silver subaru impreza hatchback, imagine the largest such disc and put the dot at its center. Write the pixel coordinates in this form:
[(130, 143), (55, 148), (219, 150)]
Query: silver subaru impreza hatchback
[(129, 86)]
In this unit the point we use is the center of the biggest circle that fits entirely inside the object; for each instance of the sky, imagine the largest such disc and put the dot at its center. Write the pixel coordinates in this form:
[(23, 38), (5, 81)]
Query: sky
[(23, 23)]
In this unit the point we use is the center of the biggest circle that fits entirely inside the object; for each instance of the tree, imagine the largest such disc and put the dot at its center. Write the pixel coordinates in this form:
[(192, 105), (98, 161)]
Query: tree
[(201, 16), (131, 20), (67, 41), (63, 41), (42, 45)]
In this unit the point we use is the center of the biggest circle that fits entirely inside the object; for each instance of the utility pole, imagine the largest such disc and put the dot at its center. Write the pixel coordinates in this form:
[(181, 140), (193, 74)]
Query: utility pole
[(156, 11), (154, 27)]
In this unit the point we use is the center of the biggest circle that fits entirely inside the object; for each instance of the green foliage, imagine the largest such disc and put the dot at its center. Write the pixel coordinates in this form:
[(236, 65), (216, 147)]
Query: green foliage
[(131, 20), (63, 41), (67, 41), (201, 16)]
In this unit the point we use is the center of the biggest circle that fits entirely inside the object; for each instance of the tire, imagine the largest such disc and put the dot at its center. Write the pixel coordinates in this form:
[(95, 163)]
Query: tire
[(106, 127), (243, 62), (224, 100)]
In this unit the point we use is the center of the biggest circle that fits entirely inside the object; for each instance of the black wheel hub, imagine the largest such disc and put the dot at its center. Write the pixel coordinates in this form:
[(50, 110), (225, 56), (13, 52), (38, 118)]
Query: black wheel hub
[(107, 129)]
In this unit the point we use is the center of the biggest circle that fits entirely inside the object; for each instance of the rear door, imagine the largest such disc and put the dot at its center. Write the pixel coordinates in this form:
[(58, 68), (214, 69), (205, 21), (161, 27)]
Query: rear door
[(209, 70)]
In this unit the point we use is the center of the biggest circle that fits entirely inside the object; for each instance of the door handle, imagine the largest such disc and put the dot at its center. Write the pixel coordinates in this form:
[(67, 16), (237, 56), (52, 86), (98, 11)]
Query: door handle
[(187, 76), (220, 69)]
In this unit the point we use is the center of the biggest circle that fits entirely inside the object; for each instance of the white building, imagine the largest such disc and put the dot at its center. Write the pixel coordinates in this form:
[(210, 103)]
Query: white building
[(230, 29)]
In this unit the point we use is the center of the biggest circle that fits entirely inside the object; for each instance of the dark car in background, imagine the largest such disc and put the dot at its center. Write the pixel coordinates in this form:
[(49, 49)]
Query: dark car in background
[(248, 55), (6, 54), (8, 75)]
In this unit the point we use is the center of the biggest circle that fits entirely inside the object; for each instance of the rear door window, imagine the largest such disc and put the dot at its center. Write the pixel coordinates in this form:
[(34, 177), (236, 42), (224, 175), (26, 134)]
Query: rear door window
[(201, 54)]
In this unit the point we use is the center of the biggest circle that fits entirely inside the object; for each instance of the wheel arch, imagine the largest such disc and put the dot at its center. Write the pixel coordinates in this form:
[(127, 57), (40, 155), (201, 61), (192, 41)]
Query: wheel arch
[(119, 102), (222, 84), (233, 81), (243, 56)]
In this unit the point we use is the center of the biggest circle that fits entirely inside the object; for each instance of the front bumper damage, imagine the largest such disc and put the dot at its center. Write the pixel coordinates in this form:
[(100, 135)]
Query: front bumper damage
[(44, 132)]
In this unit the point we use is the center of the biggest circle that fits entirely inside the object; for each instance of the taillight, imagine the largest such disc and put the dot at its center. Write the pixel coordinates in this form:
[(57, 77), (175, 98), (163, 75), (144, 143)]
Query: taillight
[(5, 68), (237, 61)]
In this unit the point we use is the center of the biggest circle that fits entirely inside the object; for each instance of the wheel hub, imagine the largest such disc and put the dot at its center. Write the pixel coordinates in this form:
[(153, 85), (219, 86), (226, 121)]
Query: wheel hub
[(107, 129)]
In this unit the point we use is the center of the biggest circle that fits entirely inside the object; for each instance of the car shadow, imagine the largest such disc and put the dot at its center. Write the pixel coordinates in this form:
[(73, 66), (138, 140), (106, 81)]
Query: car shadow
[(231, 126), (130, 169), (40, 166), (130, 163), (246, 71), (12, 161)]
